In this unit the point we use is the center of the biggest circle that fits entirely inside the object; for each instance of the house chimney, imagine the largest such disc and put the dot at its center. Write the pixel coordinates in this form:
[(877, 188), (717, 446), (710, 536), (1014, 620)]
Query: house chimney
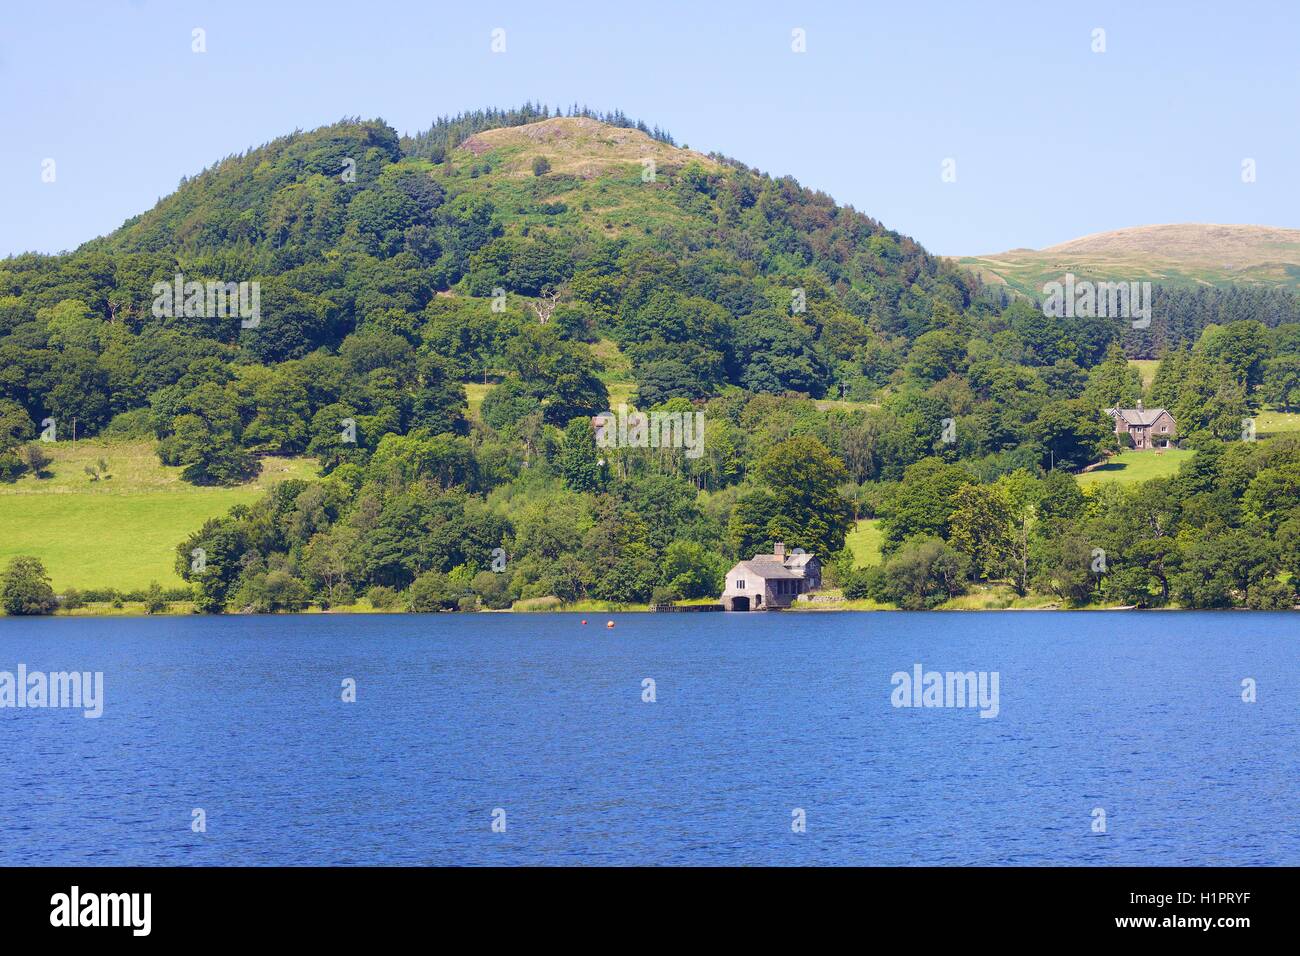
[(778, 549), (1141, 407)]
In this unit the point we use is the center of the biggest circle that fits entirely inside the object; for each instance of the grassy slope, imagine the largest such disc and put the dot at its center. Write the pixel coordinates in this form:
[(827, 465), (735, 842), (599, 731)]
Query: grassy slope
[(596, 173), (1133, 466), (827, 404), (1146, 368), (1269, 422), (864, 541), (475, 392), (121, 532)]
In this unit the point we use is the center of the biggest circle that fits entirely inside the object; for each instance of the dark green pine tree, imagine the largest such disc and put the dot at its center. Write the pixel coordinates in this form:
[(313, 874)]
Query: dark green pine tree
[(578, 460)]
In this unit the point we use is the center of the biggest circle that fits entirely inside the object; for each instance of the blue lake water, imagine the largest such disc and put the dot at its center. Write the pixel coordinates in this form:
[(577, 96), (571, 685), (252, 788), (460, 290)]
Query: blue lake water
[(1140, 714)]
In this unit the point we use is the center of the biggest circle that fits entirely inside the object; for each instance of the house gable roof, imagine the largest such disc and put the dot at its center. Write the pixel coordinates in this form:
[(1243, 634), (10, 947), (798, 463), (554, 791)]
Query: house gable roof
[(766, 566), (780, 566), (1140, 416)]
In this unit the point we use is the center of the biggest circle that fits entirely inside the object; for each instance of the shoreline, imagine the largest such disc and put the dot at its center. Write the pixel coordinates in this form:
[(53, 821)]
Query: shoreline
[(138, 611)]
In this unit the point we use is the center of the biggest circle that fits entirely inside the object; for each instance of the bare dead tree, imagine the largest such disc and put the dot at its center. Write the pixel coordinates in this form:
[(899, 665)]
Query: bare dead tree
[(545, 306)]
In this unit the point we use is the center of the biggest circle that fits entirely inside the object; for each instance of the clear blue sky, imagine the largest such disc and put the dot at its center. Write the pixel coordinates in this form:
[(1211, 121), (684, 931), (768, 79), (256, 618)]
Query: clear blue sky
[(1051, 140)]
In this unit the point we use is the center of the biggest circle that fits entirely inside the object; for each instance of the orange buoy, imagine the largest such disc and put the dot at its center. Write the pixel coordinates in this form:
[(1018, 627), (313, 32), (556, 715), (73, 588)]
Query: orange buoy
[(609, 623)]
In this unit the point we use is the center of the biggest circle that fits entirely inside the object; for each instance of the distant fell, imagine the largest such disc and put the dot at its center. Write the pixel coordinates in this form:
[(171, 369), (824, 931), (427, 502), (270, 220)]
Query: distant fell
[(1180, 254)]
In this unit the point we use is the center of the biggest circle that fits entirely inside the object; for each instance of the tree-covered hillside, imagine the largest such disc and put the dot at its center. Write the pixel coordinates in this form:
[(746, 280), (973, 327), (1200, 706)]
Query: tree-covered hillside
[(556, 267)]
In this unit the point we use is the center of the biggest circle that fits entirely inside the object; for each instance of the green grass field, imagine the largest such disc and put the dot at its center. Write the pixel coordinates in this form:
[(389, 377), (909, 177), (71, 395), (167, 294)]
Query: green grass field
[(475, 392), (1146, 368), (1133, 466), (620, 393), (122, 531), (1270, 422), (864, 541), (826, 404)]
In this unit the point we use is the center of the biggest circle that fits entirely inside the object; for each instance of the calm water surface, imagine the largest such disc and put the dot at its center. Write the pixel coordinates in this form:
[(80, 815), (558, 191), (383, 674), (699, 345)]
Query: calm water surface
[(756, 715)]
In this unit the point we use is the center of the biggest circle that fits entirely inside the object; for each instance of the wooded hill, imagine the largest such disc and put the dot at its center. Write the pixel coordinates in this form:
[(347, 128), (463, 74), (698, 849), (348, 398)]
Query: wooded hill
[(555, 261)]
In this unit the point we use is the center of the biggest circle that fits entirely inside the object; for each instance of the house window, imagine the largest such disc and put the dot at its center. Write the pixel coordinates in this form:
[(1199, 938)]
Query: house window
[(740, 584)]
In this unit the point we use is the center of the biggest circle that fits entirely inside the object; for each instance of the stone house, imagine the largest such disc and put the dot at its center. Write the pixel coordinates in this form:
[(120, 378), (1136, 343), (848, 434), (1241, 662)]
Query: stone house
[(771, 580), (1149, 427)]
